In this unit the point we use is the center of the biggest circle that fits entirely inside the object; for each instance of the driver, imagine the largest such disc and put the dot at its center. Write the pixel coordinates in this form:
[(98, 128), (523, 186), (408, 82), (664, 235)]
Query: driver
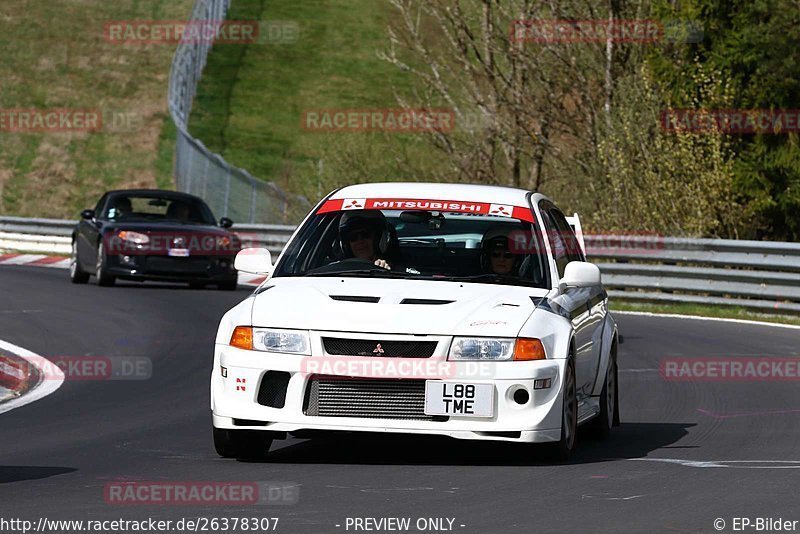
[(364, 234), (497, 256), (122, 207)]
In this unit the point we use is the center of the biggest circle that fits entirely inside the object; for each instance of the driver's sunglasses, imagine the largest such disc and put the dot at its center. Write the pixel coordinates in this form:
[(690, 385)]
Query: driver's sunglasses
[(506, 254), (358, 235)]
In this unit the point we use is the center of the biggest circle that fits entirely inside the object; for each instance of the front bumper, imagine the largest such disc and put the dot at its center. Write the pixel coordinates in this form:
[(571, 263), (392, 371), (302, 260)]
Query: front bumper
[(167, 268), (235, 398)]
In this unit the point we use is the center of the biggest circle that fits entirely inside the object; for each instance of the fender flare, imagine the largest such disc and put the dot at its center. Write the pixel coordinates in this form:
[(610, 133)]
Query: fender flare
[(609, 341)]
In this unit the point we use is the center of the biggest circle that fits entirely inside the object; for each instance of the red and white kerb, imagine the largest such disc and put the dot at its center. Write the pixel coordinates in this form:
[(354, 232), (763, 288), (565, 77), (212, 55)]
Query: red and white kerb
[(484, 208)]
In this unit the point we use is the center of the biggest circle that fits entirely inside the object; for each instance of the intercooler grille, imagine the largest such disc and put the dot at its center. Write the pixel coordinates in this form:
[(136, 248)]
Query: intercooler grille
[(369, 398), (375, 347)]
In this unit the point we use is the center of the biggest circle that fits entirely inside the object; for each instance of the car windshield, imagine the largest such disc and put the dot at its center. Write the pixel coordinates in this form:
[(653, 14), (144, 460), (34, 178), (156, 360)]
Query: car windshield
[(140, 208), (419, 244)]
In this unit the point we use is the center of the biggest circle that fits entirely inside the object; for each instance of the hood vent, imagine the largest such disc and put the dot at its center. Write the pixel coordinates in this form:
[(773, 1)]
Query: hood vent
[(429, 302), (355, 298)]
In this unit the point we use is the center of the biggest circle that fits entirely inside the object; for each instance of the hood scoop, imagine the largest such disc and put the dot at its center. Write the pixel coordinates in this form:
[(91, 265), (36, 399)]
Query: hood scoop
[(355, 298), (427, 302)]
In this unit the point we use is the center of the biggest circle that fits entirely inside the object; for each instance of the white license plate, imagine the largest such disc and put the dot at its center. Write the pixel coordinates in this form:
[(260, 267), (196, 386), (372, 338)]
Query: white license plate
[(459, 399), (178, 252)]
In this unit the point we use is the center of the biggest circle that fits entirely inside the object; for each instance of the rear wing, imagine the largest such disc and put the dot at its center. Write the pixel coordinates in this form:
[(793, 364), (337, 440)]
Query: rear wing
[(575, 223)]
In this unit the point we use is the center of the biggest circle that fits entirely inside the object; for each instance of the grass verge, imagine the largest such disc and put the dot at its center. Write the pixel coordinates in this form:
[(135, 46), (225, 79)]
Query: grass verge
[(724, 312), (55, 55)]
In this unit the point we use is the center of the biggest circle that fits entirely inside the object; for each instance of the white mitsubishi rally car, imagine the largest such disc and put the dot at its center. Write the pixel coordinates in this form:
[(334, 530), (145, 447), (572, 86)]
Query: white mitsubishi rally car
[(459, 310)]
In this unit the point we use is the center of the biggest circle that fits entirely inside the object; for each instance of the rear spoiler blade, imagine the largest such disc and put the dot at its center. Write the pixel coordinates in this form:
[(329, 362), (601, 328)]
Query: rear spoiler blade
[(575, 223)]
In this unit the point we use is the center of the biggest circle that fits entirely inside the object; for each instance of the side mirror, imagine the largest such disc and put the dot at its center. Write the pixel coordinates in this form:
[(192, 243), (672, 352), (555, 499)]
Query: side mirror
[(580, 274), (225, 222), (87, 214), (254, 261)]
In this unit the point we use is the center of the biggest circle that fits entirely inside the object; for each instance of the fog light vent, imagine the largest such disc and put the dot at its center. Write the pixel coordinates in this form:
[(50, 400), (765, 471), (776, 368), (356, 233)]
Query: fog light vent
[(521, 396)]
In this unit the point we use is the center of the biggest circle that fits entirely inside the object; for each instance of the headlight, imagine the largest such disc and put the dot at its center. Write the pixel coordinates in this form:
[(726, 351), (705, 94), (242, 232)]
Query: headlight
[(496, 349), (481, 348), (291, 341), (133, 237), (271, 340)]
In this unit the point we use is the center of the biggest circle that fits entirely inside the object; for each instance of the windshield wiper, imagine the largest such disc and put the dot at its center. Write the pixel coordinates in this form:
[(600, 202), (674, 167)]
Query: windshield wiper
[(495, 278), (377, 271)]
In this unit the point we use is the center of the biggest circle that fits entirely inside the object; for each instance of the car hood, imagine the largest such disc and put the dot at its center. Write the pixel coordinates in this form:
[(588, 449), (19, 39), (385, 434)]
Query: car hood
[(402, 307)]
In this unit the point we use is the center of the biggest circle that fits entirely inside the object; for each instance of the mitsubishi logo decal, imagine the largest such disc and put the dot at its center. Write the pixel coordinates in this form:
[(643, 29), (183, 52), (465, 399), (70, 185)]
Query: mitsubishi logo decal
[(378, 349), (354, 203)]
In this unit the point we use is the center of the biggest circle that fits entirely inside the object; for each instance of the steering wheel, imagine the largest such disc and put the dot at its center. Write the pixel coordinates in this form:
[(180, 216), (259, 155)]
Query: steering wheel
[(348, 264)]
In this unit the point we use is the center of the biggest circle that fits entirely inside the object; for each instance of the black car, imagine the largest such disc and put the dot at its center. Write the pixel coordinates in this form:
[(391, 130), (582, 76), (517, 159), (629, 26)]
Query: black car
[(145, 234)]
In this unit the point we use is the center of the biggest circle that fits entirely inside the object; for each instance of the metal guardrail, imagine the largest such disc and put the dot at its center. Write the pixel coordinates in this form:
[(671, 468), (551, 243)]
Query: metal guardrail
[(229, 191), (54, 235), (760, 275)]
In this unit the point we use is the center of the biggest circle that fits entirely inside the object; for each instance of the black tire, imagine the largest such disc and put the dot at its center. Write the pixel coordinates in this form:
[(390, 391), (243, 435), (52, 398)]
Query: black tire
[(101, 268), (609, 407), (229, 285), (76, 274), (562, 449), (244, 444)]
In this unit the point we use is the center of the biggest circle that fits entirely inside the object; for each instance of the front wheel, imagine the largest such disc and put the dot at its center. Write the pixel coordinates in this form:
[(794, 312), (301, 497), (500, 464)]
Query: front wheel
[(609, 407), (228, 285), (244, 444), (101, 268), (562, 449), (76, 274)]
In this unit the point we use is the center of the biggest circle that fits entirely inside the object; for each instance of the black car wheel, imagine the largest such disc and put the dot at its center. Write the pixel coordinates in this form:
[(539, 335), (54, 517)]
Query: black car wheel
[(561, 450), (101, 268), (229, 285), (609, 410), (76, 274), (245, 444)]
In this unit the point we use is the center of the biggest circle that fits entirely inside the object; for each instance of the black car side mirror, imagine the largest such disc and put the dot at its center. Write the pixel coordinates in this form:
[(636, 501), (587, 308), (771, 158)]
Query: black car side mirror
[(87, 214), (225, 222)]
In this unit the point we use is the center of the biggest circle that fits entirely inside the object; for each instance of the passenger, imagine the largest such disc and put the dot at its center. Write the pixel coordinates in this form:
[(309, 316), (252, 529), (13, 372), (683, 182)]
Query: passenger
[(365, 234), (178, 210)]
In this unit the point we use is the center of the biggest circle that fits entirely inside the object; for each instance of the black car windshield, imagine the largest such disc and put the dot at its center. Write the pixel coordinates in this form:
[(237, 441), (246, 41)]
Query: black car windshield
[(419, 244), (149, 207)]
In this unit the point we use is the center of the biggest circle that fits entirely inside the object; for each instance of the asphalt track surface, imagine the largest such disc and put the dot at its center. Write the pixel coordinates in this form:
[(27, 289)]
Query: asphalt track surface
[(57, 454)]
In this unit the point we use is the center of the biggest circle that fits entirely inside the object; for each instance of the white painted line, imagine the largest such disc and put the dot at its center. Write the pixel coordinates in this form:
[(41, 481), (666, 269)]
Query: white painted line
[(63, 264), (700, 318), (5, 394), (23, 259), (246, 279), (732, 464), (44, 388)]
